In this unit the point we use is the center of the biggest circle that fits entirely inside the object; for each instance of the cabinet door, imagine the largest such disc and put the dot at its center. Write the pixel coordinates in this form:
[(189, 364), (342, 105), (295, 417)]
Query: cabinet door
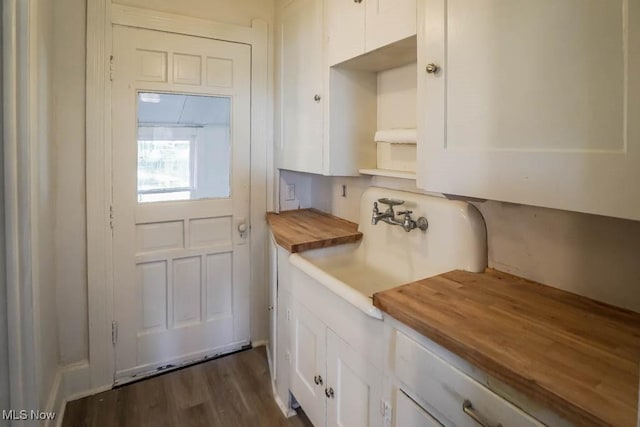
[(301, 86), (389, 21), (535, 102), (409, 414), (309, 357), (354, 387), (345, 30)]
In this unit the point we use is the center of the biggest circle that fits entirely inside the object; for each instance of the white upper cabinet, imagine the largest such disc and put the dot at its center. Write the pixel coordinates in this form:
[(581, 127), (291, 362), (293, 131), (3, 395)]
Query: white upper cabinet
[(389, 21), (345, 27), (325, 117), (300, 87), (533, 102), (355, 27)]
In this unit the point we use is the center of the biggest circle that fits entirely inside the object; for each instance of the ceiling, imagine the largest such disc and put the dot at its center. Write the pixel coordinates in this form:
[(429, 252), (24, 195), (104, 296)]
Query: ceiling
[(183, 110)]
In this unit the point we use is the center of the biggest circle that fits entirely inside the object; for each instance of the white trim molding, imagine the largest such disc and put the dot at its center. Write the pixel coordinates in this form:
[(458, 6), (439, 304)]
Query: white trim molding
[(71, 382), (98, 173), (20, 124), (101, 15)]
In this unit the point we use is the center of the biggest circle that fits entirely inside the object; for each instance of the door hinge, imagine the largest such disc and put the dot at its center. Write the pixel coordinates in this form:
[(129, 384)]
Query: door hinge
[(386, 412), (112, 68), (111, 216), (114, 332)]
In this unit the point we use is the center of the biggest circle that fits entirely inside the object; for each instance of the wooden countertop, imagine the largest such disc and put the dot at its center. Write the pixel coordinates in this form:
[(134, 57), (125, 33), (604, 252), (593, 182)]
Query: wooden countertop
[(579, 357), (305, 229)]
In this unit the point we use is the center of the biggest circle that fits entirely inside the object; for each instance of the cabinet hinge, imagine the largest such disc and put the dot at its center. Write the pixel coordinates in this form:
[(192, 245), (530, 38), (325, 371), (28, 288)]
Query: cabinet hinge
[(112, 68), (114, 332), (111, 216)]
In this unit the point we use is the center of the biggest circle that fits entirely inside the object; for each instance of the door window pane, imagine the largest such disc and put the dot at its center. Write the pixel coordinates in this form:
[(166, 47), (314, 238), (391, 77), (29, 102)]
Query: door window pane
[(184, 147)]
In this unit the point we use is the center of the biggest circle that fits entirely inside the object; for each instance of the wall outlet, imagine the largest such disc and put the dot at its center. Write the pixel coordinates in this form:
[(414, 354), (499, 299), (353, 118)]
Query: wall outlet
[(291, 192)]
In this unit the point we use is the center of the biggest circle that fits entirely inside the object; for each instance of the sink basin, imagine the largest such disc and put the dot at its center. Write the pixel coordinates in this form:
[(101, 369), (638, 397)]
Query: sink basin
[(387, 256)]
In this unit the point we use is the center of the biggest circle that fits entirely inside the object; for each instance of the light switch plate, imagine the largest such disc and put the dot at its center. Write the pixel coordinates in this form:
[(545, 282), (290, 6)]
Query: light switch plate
[(291, 192)]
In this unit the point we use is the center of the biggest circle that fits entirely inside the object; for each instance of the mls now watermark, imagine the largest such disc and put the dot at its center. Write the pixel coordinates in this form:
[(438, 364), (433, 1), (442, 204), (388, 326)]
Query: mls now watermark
[(23, 414)]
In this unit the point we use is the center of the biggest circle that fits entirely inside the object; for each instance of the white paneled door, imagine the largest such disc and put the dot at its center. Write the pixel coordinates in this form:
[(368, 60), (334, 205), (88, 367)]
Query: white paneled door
[(181, 171)]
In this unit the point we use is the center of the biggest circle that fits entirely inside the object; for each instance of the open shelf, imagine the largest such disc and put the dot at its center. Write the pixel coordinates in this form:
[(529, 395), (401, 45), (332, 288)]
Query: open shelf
[(388, 173)]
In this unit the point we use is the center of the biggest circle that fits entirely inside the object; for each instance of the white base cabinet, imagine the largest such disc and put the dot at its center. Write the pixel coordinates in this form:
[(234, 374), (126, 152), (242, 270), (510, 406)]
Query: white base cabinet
[(410, 414), (354, 386), (333, 383), (430, 386), (279, 338), (308, 368), (347, 369)]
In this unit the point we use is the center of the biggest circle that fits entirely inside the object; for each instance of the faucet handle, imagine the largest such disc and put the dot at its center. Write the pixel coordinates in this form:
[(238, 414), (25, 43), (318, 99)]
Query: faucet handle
[(405, 213)]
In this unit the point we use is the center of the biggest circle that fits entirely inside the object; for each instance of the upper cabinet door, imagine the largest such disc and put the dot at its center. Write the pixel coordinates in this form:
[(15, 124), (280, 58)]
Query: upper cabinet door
[(354, 27), (533, 101), (345, 20), (301, 61), (389, 21)]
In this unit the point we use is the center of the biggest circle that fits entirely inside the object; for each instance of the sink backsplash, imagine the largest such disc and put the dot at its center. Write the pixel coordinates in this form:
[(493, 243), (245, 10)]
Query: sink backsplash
[(455, 238)]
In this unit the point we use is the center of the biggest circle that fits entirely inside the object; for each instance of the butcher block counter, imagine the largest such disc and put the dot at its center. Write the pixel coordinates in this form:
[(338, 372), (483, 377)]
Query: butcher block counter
[(304, 229), (575, 355)]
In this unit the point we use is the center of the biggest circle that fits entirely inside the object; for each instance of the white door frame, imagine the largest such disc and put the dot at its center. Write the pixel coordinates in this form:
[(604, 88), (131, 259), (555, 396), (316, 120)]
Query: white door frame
[(101, 15)]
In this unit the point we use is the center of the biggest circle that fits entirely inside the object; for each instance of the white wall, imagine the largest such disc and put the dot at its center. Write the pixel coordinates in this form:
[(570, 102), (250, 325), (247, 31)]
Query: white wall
[(69, 59), (397, 91), (590, 255), (69, 132)]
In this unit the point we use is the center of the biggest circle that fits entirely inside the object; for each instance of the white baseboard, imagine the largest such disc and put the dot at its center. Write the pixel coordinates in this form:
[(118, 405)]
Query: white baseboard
[(55, 399), (286, 411), (260, 343), (71, 382)]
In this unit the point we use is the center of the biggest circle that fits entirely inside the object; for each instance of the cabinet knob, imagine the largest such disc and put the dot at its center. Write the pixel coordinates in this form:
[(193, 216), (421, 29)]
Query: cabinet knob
[(432, 68), (317, 98)]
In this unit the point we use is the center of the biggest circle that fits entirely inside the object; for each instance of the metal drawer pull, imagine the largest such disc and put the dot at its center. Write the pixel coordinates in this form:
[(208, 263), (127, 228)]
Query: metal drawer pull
[(318, 380), (467, 408), (329, 392)]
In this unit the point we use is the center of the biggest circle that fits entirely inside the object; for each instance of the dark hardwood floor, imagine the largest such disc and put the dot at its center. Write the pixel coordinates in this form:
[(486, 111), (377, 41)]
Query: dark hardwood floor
[(231, 391)]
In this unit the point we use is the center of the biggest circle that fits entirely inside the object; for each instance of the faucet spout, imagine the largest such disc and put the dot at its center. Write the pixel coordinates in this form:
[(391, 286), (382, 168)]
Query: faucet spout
[(389, 216)]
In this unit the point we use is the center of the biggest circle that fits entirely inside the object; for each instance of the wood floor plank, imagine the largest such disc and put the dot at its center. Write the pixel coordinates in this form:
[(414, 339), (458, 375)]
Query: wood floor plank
[(231, 391)]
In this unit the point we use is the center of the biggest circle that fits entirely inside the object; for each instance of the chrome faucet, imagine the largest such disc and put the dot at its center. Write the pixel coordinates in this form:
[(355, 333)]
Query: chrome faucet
[(389, 216)]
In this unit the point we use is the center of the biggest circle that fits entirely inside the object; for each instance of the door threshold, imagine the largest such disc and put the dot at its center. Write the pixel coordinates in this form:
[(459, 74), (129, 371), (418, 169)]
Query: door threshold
[(121, 382)]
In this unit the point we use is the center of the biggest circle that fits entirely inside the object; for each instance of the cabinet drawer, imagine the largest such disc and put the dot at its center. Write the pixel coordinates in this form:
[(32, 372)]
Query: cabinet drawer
[(410, 414), (444, 389)]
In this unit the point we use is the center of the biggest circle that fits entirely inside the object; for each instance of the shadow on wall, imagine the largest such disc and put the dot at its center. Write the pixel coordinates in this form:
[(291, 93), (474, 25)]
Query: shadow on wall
[(585, 254)]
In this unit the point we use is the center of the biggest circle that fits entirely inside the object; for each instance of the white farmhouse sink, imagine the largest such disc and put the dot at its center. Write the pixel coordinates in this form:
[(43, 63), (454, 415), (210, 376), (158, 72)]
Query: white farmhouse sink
[(388, 256)]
